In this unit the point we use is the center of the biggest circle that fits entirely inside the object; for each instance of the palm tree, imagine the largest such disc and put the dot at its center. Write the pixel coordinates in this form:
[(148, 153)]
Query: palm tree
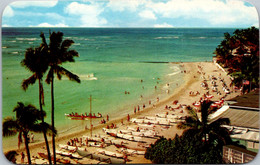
[(36, 62), (58, 53), (27, 117), (209, 131), (10, 155)]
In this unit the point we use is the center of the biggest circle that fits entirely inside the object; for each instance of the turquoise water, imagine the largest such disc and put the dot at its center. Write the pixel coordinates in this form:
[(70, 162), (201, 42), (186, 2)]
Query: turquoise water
[(112, 61)]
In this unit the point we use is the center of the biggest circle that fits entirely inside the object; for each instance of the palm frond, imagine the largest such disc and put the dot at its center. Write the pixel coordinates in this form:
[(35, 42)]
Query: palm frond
[(69, 56), (190, 122), (44, 43), (66, 44), (48, 128), (219, 122), (62, 71), (30, 81), (193, 114), (55, 41), (10, 127)]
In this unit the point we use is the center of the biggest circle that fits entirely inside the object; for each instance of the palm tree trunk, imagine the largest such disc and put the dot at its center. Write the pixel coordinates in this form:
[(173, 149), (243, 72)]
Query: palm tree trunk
[(52, 119), (27, 147), (44, 131)]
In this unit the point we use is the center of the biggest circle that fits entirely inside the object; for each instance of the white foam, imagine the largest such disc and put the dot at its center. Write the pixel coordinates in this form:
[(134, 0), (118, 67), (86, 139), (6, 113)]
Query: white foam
[(169, 37), (176, 70), (88, 77), (27, 39)]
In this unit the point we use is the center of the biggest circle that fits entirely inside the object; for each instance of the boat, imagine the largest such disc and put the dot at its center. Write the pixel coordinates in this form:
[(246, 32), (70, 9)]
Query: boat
[(82, 116), (45, 156), (77, 118), (146, 134), (110, 153), (101, 158), (131, 151), (68, 154), (127, 137), (120, 146)]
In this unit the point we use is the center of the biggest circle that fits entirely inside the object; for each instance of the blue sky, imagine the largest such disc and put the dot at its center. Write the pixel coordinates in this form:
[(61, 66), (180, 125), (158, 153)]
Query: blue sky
[(130, 13)]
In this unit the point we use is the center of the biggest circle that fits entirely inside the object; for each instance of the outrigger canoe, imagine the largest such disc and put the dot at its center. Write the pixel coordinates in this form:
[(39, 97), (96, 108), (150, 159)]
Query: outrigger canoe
[(101, 158), (63, 161), (77, 118)]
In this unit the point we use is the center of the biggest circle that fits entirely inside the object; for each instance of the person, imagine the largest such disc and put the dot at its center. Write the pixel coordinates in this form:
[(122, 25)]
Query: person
[(86, 141), (135, 110), (122, 121), (32, 137), (22, 158), (125, 158), (112, 125), (99, 114), (138, 129), (107, 118), (128, 117)]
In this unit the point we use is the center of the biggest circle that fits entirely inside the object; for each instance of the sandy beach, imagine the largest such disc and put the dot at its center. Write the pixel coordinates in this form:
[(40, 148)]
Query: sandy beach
[(187, 94)]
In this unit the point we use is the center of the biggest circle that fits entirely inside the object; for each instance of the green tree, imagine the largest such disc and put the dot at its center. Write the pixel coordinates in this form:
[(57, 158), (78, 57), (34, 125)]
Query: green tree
[(11, 156), (58, 53), (27, 119), (201, 142), (36, 62), (240, 54), (211, 132)]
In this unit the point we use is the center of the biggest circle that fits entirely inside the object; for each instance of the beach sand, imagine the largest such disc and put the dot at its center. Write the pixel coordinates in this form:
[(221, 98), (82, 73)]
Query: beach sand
[(193, 77)]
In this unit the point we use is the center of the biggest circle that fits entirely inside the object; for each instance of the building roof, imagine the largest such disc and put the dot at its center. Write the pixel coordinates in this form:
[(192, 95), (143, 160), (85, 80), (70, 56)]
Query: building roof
[(241, 117), (249, 100), (244, 111)]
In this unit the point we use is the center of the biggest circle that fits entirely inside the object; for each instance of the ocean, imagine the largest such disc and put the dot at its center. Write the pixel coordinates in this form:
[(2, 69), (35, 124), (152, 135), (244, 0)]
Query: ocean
[(112, 61)]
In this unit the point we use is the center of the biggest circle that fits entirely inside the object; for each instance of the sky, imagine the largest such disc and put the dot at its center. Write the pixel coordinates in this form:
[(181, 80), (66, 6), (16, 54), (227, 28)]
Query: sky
[(130, 13)]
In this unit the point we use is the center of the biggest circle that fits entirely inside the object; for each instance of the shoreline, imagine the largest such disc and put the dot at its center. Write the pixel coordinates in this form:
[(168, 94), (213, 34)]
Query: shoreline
[(116, 120), (192, 81)]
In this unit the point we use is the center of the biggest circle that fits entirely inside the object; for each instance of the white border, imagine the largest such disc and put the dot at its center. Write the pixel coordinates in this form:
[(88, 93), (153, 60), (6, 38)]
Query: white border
[(3, 4)]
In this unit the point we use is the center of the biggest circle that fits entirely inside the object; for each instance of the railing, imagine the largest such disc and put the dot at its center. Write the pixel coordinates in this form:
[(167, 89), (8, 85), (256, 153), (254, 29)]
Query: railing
[(232, 154)]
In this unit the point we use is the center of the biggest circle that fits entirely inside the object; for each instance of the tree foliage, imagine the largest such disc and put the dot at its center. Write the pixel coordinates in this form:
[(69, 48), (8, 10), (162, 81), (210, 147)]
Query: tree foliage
[(58, 52), (240, 54), (27, 119), (201, 142)]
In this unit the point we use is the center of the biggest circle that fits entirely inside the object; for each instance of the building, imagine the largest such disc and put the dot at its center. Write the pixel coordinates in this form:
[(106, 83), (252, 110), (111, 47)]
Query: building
[(243, 112)]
